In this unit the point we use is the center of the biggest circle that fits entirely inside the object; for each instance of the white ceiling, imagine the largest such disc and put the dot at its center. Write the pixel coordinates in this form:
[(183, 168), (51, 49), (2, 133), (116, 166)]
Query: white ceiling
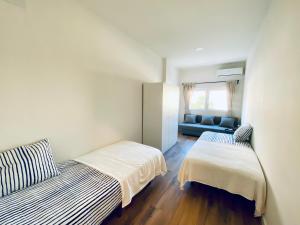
[(225, 29)]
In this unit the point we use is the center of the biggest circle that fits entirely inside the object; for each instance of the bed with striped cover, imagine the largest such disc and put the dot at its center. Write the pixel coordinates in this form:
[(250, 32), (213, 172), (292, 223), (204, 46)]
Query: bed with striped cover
[(222, 138), (79, 195)]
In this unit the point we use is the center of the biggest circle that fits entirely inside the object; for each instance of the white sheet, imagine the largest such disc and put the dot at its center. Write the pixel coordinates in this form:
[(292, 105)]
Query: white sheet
[(133, 165), (233, 168)]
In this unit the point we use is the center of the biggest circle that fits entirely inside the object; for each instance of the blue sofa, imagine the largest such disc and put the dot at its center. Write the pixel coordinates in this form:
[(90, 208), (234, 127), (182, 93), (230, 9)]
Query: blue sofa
[(196, 129)]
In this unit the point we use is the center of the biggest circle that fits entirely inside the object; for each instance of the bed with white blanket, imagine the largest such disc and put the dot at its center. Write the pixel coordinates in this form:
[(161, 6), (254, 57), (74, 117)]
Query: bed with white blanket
[(218, 161), (133, 165)]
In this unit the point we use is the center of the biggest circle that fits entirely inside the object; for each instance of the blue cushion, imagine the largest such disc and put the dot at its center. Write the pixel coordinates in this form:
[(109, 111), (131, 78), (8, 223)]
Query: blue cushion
[(227, 122), (190, 118), (201, 127), (26, 165), (207, 120)]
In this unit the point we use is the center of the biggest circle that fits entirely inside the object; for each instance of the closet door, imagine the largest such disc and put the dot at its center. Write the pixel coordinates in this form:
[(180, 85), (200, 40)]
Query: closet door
[(170, 116), (152, 114)]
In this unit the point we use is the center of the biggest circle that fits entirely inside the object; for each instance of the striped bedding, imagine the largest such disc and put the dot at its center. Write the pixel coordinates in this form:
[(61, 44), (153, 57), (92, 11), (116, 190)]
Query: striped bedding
[(26, 165), (79, 195), (222, 138)]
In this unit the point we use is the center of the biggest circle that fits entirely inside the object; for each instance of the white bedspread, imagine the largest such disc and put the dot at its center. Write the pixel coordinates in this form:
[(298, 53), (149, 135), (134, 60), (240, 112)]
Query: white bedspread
[(233, 168), (133, 165)]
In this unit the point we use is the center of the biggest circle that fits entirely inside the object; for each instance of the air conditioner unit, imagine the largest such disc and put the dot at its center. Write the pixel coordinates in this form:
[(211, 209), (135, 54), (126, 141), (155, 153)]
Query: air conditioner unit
[(231, 74)]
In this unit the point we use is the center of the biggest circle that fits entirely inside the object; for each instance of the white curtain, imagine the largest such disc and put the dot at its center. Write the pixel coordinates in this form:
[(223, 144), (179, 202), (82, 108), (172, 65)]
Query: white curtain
[(188, 89), (231, 86)]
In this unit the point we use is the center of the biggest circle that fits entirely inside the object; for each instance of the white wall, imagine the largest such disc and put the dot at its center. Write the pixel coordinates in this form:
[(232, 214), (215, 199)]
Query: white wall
[(68, 76), (170, 73), (208, 74), (272, 106)]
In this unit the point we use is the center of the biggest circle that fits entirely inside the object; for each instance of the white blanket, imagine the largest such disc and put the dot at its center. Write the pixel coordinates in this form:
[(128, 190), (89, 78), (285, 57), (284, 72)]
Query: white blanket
[(235, 169), (133, 165)]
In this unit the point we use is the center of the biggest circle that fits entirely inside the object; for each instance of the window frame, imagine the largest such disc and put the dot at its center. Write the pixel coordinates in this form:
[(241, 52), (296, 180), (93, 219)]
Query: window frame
[(207, 88)]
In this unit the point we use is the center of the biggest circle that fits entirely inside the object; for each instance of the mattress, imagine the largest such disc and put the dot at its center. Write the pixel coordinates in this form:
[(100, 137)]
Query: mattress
[(134, 165), (79, 195), (229, 166)]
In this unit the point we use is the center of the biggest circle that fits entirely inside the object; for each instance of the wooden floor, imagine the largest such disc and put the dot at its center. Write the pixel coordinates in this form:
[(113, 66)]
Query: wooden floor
[(163, 203)]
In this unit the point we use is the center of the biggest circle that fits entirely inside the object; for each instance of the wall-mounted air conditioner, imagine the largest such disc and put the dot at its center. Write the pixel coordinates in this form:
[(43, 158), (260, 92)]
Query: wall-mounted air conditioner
[(231, 74)]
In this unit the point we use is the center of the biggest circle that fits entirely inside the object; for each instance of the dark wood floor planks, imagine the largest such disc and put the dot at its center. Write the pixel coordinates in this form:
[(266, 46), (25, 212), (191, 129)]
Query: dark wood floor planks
[(163, 203)]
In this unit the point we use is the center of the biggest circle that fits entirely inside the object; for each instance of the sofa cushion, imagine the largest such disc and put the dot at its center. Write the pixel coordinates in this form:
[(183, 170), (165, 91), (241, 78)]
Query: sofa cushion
[(217, 120), (198, 118), (207, 120), (227, 122), (190, 118), (26, 165), (243, 133), (201, 127)]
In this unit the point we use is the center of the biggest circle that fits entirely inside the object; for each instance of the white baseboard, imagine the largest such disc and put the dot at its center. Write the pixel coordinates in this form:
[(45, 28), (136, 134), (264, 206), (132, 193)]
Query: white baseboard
[(264, 221)]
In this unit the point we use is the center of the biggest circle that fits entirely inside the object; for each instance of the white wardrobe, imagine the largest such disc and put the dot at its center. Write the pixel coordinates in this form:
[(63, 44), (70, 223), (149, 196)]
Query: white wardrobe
[(160, 115)]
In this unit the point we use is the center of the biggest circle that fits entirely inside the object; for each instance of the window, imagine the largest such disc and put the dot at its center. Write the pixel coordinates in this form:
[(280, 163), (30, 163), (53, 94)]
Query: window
[(198, 100), (210, 98), (217, 100)]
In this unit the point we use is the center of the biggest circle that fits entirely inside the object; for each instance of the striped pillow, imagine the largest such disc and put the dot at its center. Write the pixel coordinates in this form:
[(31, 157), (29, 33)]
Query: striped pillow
[(26, 165), (243, 133)]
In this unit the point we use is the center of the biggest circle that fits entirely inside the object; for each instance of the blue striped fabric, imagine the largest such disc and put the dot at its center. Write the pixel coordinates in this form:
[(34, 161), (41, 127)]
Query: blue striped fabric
[(222, 138), (26, 165), (79, 195), (243, 133)]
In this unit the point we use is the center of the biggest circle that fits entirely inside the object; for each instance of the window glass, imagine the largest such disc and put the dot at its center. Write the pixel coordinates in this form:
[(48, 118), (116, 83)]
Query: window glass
[(217, 100), (198, 100)]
